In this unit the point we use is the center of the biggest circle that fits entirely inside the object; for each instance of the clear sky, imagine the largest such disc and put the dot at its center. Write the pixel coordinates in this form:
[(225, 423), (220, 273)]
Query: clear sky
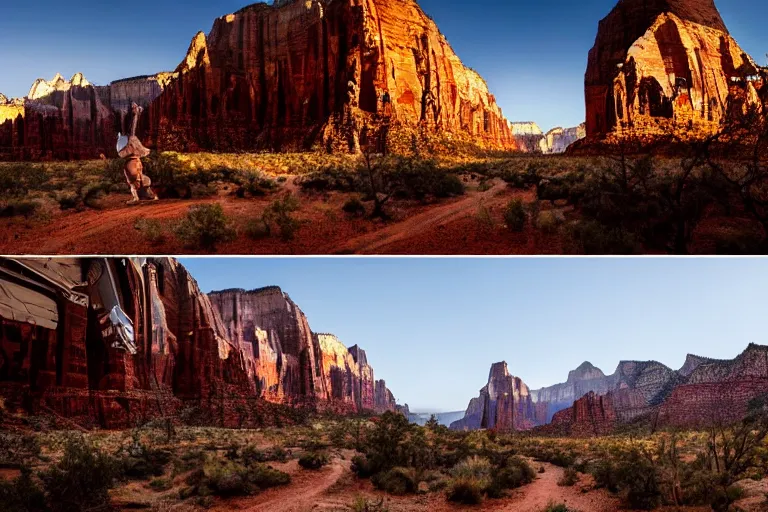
[(433, 327), (532, 53)]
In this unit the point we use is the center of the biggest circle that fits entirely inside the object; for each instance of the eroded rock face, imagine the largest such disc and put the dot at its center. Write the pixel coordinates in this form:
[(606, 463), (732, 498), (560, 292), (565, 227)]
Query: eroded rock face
[(504, 404), (557, 140), (310, 73), (61, 351), (73, 119), (665, 66)]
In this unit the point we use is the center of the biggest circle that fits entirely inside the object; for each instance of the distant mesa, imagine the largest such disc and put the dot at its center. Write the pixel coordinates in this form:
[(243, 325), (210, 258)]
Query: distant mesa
[(703, 391), (530, 139), (332, 68)]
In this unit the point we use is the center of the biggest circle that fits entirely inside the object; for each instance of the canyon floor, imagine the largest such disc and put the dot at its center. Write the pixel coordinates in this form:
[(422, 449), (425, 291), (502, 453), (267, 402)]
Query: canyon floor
[(80, 208), (204, 468)]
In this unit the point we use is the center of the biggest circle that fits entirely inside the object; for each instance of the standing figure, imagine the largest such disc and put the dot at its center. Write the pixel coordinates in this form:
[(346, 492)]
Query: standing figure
[(131, 148)]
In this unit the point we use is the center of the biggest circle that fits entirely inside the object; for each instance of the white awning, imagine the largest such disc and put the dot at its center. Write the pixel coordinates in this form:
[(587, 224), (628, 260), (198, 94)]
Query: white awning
[(21, 304)]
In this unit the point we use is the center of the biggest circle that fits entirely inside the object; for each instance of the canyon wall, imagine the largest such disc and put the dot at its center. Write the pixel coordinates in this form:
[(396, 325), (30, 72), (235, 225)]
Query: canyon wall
[(297, 75), (666, 66), (115, 342), (701, 392), (291, 364)]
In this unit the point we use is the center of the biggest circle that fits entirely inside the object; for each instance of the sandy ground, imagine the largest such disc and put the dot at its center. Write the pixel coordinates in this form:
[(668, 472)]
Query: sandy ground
[(450, 226)]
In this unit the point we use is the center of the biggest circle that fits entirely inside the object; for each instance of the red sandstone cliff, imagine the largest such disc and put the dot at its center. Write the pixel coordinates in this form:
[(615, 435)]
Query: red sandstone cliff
[(661, 66), (504, 404), (115, 342), (293, 76)]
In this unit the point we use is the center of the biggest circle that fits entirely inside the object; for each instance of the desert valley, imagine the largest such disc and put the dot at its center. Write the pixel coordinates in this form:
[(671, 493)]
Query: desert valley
[(123, 385), (333, 127)]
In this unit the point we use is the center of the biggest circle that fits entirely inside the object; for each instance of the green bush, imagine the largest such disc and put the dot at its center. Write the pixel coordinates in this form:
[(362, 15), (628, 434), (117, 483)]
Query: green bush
[(280, 212), (229, 478), (354, 207), (361, 504), (593, 238), (465, 490), (141, 461), (448, 185), (21, 494), (204, 227), (605, 475), (362, 467), (151, 229), (569, 478), (81, 479), (257, 229), (313, 460), (556, 507), (515, 216), (397, 481), (161, 484), (252, 184), (515, 473), (17, 180), (19, 208)]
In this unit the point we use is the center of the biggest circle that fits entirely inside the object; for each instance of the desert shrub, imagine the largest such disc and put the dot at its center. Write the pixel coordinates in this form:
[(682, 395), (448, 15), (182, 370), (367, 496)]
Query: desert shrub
[(638, 480), (228, 478), (591, 237), (541, 469), (515, 216), (362, 466), (605, 475), (280, 213), (448, 185), (19, 208), (313, 460), (160, 484), (141, 461), (17, 180), (515, 473), (569, 478), (465, 490), (151, 229), (252, 184), (22, 494), (384, 445), (354, 207), (396, 481), (17, 450), (556, 507), (330, 178), (251, 454), (81, 479), (549, 220), (361, 504), (257, 229), (204, 227)]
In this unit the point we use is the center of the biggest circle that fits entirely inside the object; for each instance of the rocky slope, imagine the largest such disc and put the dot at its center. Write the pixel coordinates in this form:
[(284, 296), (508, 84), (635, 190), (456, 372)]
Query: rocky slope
[(504, 404), (114, 342), (661, 66), (290, 76), (703, 390)]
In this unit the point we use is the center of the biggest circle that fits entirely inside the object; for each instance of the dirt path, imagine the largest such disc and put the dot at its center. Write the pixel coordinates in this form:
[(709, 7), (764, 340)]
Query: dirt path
[(303, 494), (373, 243), (537, 495)]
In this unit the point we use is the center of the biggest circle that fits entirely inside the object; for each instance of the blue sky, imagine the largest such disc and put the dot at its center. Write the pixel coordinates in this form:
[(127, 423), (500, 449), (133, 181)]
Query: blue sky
[(432, 327), (532, 53)]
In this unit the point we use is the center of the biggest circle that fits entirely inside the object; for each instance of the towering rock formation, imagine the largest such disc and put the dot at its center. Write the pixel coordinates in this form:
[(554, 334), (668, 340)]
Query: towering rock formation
[(665, 65), (290, 363), (504, 404), (584, 379), (299, 74), (116, 342)]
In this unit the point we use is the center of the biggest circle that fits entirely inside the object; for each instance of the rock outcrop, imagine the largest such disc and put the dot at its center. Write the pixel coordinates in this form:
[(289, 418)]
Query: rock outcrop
[(304, 74), (115, 342), (504, 404), (295, 75), (666, 66), (702, 391)]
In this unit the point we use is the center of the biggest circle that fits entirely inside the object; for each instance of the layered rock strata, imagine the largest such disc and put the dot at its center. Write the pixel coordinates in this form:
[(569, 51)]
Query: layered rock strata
[(322, 74), (666, 66), (114, 342)]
